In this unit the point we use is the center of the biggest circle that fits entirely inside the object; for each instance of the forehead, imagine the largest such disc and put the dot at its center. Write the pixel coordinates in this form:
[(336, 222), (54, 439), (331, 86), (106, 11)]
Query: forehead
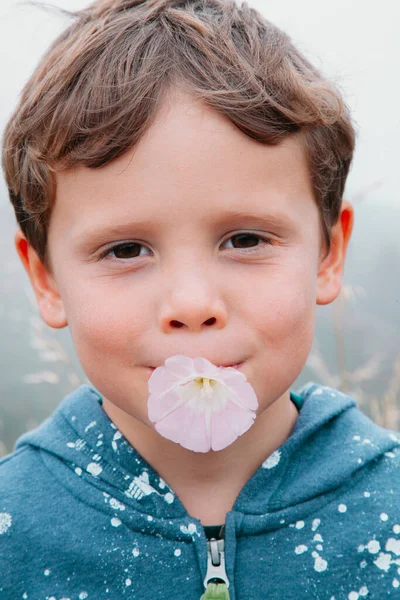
[(191, 163)]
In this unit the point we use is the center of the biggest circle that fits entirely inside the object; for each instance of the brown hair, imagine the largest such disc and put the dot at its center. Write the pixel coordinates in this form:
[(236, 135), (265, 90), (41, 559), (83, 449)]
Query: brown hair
[(97, 89)]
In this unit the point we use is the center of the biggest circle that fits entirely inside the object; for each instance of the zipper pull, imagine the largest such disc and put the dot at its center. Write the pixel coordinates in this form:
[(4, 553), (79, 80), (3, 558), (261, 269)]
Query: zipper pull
[(216, 563)]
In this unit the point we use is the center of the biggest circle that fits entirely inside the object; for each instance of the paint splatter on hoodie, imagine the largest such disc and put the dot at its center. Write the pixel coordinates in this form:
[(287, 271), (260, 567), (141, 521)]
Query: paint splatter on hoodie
[(83, 516)]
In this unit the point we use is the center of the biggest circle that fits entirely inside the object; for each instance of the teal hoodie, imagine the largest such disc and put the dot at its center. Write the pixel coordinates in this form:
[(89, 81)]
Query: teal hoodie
[(82, 515)]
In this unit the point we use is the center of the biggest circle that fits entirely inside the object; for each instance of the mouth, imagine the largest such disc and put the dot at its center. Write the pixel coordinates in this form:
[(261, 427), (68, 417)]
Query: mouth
[(225, 366)]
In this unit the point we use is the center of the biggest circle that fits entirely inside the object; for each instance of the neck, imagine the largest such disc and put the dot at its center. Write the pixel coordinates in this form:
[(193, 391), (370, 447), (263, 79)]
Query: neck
[(208, 484)]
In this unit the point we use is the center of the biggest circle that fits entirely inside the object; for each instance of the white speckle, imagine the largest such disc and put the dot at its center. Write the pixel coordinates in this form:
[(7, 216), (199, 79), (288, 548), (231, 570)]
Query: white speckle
[(360, 548), (97, 457), (396, 528), (192, 528), (140, 487), (364, 591), (272, 460), (363, 564), (356, 438), (333, 395), (367, 494), (320, 564), (393, 437), (300, 549), (99, 443), (367, 441), (282, 521), (5, 522), (71, 444), (359, 460), (395, 583), (78, 471), (83, 595), (318, 537), (94, 469), (117, 436), (135, 552), (317, 392), (115, 522), (315, 524), (342, 508), (390, 454), (373, 546), (116, 505), (128, 582), (24, 595), (393, 545), (384, 517), (92, 424), (80, 444), (319, 547), (169, 498), (299, 525), (177, 552), (353, 596), (383, 561), (315, 554), (150, 518), (47, 572), (162, 483)]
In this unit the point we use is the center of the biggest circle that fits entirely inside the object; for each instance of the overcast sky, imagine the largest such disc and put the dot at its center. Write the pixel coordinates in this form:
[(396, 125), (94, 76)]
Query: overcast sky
[(355, 42)]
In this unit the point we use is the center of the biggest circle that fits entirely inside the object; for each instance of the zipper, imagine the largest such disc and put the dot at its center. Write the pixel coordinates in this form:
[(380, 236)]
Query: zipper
[(216, 563)]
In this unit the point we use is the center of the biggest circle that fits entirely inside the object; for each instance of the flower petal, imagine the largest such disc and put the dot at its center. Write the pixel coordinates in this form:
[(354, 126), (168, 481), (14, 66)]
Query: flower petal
[(199, 405)]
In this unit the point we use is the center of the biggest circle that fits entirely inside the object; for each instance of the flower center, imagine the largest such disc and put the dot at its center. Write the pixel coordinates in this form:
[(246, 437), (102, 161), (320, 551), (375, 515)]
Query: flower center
[(206, 386)]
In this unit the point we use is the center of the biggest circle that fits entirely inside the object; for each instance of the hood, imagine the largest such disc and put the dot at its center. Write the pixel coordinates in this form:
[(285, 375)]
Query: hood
[(331, 444)]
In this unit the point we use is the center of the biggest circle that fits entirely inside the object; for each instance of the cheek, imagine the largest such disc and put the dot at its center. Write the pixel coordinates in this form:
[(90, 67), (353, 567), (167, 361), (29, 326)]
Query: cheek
[(284, 309), (106, 325)]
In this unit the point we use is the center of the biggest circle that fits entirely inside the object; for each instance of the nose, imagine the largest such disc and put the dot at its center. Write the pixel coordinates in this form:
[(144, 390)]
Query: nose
[(193, 303)]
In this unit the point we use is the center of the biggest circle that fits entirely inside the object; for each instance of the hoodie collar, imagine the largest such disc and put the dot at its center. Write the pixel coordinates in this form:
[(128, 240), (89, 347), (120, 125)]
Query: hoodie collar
[(331, 441)]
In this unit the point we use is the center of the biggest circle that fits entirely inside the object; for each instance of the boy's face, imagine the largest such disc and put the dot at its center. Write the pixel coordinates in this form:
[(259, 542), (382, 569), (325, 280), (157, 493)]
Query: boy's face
[(217, 253)]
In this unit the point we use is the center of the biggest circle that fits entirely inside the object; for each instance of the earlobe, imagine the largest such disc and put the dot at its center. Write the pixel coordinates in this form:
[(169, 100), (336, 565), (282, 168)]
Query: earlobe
[(51, 306), (329, 282)]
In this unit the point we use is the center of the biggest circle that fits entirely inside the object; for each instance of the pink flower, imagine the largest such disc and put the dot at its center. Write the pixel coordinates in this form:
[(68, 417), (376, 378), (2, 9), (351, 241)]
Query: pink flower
[(198, 405)]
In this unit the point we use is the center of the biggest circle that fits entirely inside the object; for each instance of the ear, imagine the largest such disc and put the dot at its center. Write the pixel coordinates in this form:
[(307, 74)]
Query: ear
[(51, 306), (331, 267)]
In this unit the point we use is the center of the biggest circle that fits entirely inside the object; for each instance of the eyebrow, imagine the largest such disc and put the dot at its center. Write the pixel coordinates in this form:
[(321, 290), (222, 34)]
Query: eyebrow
[(280, 222)]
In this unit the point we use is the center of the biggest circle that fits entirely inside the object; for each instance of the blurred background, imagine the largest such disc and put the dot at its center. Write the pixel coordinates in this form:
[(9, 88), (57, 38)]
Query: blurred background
[(357, 343)]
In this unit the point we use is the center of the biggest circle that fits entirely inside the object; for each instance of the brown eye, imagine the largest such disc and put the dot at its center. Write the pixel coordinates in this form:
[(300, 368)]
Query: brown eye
[(248, 241), (245, 240), (126, 251)]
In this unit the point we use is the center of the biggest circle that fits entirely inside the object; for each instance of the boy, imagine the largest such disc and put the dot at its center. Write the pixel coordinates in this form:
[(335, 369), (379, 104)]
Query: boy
[(177, 170)]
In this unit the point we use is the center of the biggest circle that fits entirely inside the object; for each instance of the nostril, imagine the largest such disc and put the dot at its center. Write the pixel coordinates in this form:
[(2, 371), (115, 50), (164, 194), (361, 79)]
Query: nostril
[(176, 324), (210, 321)]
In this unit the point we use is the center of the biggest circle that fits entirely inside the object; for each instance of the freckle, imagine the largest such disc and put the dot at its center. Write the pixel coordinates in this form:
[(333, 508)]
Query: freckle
[(299, 525), (177, 552)]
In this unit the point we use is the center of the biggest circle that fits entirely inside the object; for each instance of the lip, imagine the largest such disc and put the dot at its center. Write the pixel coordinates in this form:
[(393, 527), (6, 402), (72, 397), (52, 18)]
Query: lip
[(237, 366)]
